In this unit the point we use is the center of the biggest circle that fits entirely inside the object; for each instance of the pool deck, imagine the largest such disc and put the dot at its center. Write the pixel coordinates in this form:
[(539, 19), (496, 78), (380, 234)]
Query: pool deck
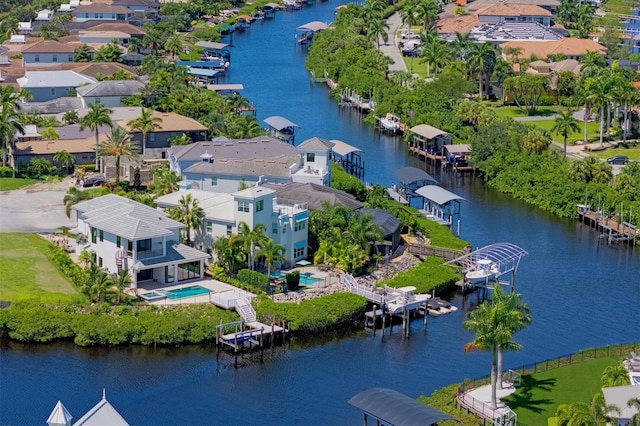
[(222, 294)]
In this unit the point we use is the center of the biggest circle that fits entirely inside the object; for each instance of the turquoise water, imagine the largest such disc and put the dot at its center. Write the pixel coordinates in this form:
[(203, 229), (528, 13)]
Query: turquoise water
[(180, 293), (307, 279), (152, 296)]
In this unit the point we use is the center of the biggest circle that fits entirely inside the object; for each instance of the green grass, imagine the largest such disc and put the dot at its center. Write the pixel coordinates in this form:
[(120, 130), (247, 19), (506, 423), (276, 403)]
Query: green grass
[(8, 184), (416, 66), (592, 127), (539, 395), (514, 111), (632, 153), (27, 272)]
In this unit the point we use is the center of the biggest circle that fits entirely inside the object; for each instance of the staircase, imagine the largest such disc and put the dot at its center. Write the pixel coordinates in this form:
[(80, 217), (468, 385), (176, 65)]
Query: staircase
[(354, 287), (245, 310)]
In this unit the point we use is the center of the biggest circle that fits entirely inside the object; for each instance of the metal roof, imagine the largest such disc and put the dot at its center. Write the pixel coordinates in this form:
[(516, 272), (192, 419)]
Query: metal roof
[(313, 26), (619, 396), (279, 123), (438, 194), (343, 148), (176, 252), (46, 79), (505, 255), (200, 71), (102, 413), (461, 148), (211, 45), (225, 87), (409, 175), (397, 409), (427, 131), (314, 195)]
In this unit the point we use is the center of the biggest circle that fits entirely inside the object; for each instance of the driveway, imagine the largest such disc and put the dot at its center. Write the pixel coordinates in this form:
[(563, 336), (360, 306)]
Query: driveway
[(37, 209)]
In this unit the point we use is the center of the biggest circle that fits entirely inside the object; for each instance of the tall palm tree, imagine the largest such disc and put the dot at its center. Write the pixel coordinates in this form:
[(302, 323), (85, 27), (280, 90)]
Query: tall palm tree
[(165, 181), (427, 12), (614, 375), (461, 46), (120, 281), (408, 13), (437, 55), (503, 70), (118, 145), (65, 159), (189, 213), (9, 124), (271, 253), (73, 197), (515, 316), (144, 124), (173, 45), (377, 29), (598, 94), (481, 59), (635, 419), (564, 125), (252, 238), (98, 115)]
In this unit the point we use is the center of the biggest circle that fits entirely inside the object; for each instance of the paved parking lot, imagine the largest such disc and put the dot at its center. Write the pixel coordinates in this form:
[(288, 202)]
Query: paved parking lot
[(36, 209)]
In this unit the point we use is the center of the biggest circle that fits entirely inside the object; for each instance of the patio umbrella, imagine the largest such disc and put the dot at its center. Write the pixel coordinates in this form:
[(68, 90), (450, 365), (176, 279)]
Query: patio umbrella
[(303, 263)]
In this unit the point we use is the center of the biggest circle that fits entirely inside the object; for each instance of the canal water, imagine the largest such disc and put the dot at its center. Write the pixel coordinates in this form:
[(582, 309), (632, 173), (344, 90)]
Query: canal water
[(582, 294)]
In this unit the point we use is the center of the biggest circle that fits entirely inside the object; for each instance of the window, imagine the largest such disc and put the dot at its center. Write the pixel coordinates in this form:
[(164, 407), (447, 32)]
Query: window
[(274, 228), (53, 92), (97, 100), (243, 206), (37, 58), (94, 234), (129, 246), (228, 230), (152, 137), (299, 252), (311, 157), (214, 181), (299, 226), (55, 58), (259, 205), (284, 229), (143, 245), (70, 58), (209, 227), (118, 241), (100, 262), (101, 235)]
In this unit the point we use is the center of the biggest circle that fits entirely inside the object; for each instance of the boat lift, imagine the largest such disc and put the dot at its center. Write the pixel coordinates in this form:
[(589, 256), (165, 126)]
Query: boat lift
[(505, 256)]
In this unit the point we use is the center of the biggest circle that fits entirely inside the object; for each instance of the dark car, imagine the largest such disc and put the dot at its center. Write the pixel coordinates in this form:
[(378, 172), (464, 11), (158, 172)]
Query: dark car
[(618, 159), (411, 53), (94, 181)]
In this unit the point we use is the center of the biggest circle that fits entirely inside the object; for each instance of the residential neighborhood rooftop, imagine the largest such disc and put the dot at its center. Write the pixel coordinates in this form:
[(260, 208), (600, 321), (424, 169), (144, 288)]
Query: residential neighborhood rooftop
[(171, 122), (111, 88), (261, 147), (500, 9), (46, 79)]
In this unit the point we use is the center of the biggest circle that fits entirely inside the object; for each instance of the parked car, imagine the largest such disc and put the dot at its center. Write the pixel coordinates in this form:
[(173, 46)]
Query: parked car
[(618, 159), (411, 53), (94, 181), (410, 36)]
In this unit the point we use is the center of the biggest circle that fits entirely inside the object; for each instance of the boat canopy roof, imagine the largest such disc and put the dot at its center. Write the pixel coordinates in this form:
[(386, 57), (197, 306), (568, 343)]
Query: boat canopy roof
[(395, 408), (343, 148), (272, 5), (462, 148), (505, 255), (427, 131), (279, 123), (205, 72), (406, 289), (225, 87), (211, 45), (438, 194), (409, 175), (313, 26)]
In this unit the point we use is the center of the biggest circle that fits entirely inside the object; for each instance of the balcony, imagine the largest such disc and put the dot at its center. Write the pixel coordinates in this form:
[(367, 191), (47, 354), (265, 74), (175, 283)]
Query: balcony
[(149, 253)]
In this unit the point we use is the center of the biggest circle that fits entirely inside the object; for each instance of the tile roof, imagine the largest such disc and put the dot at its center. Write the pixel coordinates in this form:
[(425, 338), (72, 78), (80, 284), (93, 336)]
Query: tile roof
[(500, 9), (314, 195), (50, 147), (49, 46), (102, 8), (456, 24), (54, 106), (171, 122), (111, 34), (566, 46), (126, 218)]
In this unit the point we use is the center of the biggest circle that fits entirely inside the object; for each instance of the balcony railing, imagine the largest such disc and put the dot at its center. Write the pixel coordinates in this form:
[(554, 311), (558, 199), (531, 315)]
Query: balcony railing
[(149, 254)]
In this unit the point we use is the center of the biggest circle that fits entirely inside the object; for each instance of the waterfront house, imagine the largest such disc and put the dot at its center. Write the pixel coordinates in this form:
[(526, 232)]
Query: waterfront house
[(499, 13), (111, 93), (572, 48), (102, 12), (47, 53), (427, 139), (315, 162), (170, 126), (619, 396), (48, 85), (102, 413), (314, 195), (285, 221), (125, 234), (391, 228)]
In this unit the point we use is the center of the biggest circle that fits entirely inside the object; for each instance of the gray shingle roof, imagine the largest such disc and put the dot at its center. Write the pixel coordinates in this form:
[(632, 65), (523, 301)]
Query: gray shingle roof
[(111, 88), (278, 167), (384, 219), (314, 195), (261, 147), (126, 218), (54, 106), (176, 253), (73, 131), (316, 144)]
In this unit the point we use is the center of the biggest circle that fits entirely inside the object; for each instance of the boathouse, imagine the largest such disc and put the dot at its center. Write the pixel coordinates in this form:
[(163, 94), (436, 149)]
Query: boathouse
[(349, 157), (281, 128), (441, 206), (457, 156), (210, 48), (389, 407), (428, 141), (409, 180), (308, 30)]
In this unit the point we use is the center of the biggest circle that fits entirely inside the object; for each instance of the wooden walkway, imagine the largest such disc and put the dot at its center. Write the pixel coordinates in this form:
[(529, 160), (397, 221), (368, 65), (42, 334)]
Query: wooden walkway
[(611, 229), (256, 334)]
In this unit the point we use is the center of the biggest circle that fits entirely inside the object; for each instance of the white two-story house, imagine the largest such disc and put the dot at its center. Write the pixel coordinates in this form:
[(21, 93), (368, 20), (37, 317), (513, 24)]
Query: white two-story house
[(286, 222), (125, 234)]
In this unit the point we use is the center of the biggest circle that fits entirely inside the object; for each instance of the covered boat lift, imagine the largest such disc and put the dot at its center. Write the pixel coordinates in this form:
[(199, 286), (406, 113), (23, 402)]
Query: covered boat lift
[(390, 407), (203, 75), (505, 256), (457, 156), (409, 180), (211, 48), (281, 128), (441, 206), (427, 141), (349, 157), (309, 29), (269, 10)]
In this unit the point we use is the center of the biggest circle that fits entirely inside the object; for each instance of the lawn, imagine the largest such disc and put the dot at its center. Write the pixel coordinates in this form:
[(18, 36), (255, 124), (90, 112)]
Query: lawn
[(632, 153), (539, 395), (416, 66), (514, 111), (27, 272), (592, 127), (7, 183)]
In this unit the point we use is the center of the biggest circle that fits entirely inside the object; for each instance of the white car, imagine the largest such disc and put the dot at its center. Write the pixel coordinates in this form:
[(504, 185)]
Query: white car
[(406, 36)]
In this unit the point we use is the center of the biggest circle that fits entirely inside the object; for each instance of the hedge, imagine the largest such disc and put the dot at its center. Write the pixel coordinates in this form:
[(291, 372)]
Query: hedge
[(427, 277)]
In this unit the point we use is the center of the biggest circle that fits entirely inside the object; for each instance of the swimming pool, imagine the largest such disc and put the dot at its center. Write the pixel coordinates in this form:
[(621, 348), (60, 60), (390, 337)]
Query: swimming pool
[(183, 292), (151, 296), (308, 279)]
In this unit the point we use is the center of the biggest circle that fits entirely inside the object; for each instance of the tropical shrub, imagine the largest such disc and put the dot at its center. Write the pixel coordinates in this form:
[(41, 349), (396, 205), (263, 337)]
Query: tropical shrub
[(257, 280), (293, 280), (427, 277)]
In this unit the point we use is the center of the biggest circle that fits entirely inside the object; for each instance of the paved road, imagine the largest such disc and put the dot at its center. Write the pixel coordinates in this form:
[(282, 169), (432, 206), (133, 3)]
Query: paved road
[(36, 209), (390, 47)]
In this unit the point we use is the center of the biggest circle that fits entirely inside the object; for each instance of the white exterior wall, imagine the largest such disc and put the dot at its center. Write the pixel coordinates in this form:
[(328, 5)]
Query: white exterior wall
[(46, 59), (109, 101), (82, 17), (485, 19)]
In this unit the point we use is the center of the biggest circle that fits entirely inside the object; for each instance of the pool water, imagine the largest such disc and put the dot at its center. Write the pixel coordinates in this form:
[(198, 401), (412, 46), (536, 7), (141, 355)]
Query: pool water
[(308, 279), (152, 296), (180, 293)]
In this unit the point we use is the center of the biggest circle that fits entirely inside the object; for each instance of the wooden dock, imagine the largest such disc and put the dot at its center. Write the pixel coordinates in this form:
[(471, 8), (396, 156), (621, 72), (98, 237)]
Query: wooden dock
[(609, 228), (252, 334), (427, 156)]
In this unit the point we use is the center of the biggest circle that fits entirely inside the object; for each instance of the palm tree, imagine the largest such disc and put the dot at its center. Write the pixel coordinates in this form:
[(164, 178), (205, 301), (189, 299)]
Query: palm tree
[(634, 403), (98, 115), (614, 375), (408, 13), (118, 145), (86, 257), (461, 46), (165, 181), (189, 213), (173, 45), (144, 124), (377, 29), (427, 12), (64, 159), (252, 238), (502, 71), (564, 125), (9, 125), (120, 281), (482, 59), (73, 197), (271, 253), (362, 231), (70, 117), (515, 316), (598, 94), (437, 55)]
